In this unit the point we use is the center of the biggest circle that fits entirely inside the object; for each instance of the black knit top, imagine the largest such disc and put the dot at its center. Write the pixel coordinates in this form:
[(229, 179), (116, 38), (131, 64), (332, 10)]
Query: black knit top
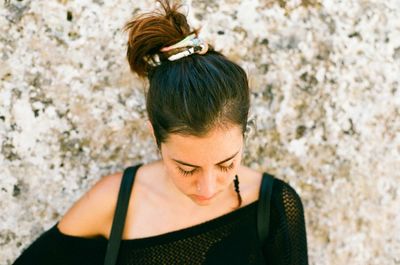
[(228, 239)]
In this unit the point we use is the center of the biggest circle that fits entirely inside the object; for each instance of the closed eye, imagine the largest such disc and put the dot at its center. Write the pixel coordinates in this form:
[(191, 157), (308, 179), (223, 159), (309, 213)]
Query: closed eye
[(226, 169), (191, 172), (186, 173)]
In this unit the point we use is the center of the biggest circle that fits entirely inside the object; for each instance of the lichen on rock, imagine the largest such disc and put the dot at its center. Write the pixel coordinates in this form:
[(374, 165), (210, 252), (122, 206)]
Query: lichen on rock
[(325, 111)]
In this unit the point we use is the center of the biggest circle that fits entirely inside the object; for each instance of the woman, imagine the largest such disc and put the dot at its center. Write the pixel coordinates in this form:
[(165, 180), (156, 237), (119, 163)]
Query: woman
[(198, 204)]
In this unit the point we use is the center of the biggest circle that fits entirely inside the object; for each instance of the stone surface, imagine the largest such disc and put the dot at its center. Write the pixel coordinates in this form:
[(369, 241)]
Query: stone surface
[(325, 111)]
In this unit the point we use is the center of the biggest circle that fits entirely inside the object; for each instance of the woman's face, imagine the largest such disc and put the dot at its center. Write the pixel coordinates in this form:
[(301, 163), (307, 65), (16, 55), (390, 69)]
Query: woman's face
[(203, 168)]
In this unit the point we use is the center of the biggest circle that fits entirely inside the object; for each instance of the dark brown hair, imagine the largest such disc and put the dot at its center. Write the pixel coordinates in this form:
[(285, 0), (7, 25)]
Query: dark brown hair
[(191, 95)]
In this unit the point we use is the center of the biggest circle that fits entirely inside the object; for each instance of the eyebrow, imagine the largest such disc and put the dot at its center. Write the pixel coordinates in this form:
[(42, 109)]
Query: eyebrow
[(219, 163)]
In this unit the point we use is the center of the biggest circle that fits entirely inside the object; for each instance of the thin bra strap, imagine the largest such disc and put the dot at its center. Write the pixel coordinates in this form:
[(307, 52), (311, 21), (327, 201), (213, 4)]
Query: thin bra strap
[(264, 206), (119, 215)]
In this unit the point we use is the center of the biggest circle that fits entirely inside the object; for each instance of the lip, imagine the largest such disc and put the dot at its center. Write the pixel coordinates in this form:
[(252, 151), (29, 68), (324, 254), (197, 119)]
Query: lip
[(202, 198)]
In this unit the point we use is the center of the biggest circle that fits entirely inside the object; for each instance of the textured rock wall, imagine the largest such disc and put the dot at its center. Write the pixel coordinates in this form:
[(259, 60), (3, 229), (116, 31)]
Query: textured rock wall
[(325, 109)]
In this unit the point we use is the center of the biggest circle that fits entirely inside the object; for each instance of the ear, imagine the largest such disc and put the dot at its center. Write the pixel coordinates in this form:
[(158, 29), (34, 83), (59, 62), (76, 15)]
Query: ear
[(150, 127)]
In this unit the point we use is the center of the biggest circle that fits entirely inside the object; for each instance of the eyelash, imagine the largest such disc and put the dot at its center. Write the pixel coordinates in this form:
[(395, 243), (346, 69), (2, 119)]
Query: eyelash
[(189, 173)]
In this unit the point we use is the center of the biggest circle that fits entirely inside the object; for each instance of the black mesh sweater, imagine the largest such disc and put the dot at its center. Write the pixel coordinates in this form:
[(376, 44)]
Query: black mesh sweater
[(228, 239)]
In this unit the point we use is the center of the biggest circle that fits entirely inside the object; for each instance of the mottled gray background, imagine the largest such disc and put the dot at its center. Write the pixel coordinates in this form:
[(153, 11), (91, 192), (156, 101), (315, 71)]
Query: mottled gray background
[(325, 111)]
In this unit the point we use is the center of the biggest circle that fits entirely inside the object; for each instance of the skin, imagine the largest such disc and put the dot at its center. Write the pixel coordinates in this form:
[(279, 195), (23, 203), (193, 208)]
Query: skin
[(203, 169), (164, 198)]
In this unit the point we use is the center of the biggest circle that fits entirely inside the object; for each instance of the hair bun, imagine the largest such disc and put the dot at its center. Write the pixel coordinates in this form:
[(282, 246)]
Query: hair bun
[(149, 32)]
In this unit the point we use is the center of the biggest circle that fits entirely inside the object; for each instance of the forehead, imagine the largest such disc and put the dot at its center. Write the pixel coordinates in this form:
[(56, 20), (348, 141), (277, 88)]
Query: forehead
[(213, 147)]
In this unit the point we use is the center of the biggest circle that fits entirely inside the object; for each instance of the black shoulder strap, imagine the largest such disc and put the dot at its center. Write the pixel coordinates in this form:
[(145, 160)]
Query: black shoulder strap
[(119, 215), (264, 205)]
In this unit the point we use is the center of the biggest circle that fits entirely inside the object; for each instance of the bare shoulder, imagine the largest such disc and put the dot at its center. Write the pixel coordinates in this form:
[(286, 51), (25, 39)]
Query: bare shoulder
[(92, 214)]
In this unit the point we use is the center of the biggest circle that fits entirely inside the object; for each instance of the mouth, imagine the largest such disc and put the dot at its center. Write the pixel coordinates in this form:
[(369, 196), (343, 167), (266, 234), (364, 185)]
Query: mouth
[(204, 199), (201, 198)]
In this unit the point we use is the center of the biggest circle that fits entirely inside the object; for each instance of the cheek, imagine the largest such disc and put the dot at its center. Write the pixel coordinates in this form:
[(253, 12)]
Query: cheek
[(223, 177), (226, 178), (182, 182)]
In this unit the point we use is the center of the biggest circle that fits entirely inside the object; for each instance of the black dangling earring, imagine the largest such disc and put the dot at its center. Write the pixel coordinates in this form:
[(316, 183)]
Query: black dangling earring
[(236, 183)]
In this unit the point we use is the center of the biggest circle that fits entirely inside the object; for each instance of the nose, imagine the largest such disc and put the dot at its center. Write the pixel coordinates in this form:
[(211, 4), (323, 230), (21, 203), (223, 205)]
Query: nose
[(207, 185)]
